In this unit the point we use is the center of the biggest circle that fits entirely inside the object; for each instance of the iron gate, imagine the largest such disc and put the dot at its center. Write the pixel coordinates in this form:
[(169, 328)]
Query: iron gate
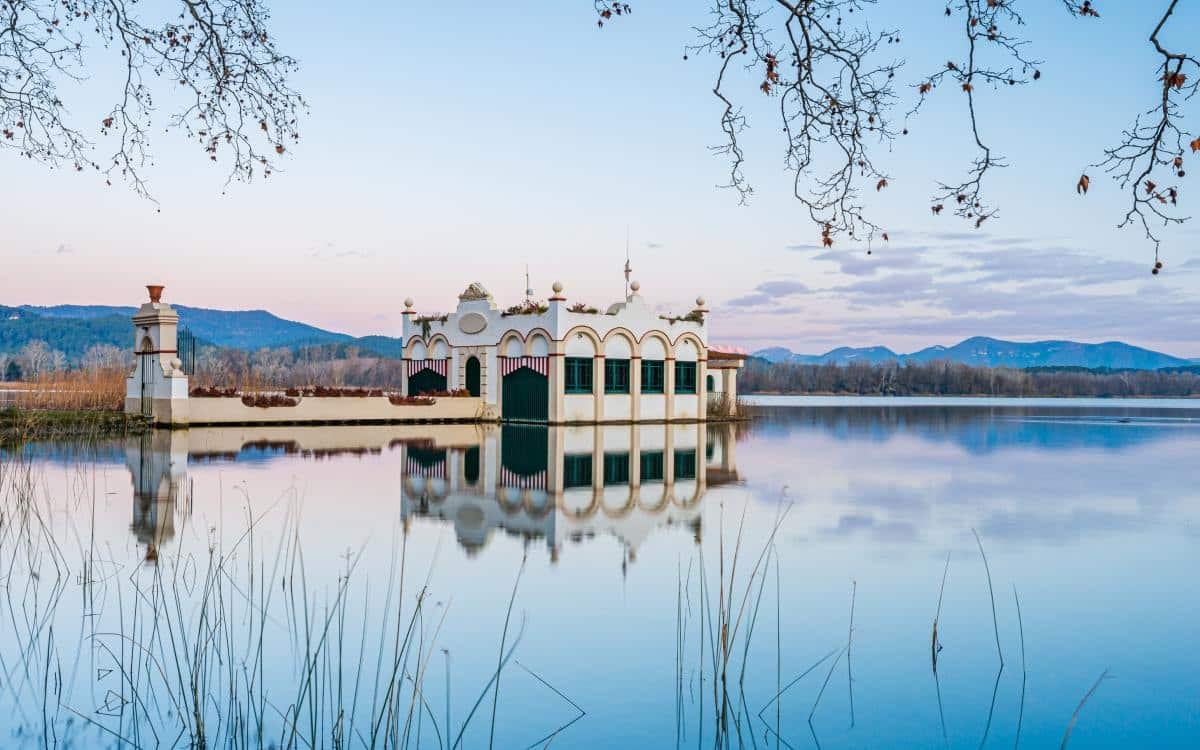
[(147, 384), (526, 396), (186, 348)]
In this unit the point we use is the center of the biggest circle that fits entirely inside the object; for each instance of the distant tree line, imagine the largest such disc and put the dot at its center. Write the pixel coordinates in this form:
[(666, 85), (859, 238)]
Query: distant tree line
[(37, 359), (955, 379), (329, 365)]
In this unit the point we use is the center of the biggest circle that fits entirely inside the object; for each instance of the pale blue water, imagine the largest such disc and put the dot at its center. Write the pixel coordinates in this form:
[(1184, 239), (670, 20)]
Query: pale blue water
[(1089, 511)]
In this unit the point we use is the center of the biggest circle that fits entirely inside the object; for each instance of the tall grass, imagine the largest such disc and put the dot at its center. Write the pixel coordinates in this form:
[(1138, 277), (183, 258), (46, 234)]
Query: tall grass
[(92, 389), (188, 650)]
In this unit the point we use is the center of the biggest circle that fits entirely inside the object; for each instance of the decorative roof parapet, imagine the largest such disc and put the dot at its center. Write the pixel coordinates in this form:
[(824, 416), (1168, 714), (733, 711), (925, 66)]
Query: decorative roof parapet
[(475, 292)]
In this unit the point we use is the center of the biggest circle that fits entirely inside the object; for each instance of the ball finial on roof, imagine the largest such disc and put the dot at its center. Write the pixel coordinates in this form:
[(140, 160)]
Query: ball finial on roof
[(635, 286), (700, 301), (408, 302), (557, 287)]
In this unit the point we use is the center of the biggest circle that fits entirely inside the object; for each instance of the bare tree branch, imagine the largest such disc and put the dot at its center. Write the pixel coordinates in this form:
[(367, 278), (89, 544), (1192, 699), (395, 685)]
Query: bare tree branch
[(823, 63), (218, 53), (1156, 143), (985, 27), (834, 98)]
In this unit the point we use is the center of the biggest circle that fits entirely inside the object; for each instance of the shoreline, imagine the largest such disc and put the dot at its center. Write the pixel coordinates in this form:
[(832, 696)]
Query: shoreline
[(981, 396), (21, 425)]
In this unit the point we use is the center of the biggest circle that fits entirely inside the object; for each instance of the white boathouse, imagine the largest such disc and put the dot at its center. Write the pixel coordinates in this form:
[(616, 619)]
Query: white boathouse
[(562, 363)]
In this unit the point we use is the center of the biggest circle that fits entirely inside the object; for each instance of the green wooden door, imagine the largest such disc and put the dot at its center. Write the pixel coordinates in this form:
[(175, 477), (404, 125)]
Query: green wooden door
[(524, 449), (473, 376), (471, 465), (425, 381), (526, 396)]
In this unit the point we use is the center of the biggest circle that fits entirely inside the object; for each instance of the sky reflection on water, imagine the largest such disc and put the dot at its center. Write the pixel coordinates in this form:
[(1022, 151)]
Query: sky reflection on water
[(1090, 514)]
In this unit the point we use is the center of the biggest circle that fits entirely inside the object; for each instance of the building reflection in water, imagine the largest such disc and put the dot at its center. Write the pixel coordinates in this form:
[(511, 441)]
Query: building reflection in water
[(157, 462), (560, 484), (567, 484)]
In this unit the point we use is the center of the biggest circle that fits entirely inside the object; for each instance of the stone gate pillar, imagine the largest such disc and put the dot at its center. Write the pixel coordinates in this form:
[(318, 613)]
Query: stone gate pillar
[(157, 388)]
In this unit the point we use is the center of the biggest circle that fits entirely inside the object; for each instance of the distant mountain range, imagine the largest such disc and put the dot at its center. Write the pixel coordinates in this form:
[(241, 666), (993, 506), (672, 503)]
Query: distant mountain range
[(73, 328), (981, 351)]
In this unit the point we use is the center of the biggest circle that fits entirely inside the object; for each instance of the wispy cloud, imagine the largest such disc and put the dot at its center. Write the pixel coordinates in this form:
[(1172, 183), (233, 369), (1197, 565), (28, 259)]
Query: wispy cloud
[(329, 249), (888, 288), (1061, 264), (769, 291), (782, 288), (756, 299), (858, 263), (1003, 287)]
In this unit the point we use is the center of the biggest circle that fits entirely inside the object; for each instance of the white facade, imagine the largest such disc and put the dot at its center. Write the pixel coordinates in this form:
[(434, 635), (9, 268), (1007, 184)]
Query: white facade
[(636, 357)]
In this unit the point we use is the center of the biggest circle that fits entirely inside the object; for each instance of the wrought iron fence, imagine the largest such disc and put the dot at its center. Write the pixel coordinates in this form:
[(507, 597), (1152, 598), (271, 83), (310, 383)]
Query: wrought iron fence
[(186, 348)]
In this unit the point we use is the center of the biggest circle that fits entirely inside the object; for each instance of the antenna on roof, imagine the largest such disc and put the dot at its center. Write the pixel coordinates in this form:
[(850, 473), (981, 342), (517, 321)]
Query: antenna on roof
[(528, 286), (628, 267)]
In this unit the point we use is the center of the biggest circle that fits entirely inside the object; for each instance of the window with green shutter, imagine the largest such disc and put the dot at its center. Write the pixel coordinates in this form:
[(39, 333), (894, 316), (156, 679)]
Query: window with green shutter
[(685, 377), (685, 464), (616, 376), (652, 466), (579, 375), (653, 380), (616, 468), (577, 470)]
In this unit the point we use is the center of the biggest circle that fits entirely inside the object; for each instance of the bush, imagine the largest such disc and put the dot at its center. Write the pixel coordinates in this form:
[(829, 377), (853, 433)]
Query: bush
[(398, 400), (528, 307), (263, 400), (321, 391), (212, 392)]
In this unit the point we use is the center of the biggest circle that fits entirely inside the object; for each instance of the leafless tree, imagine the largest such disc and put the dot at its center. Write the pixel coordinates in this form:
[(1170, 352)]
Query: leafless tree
[(216, 57), (37, 358), (105, 357), (833, 77)]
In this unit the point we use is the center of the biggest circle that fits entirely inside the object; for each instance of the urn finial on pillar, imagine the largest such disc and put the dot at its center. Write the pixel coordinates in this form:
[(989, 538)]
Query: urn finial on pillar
[(156, 291)]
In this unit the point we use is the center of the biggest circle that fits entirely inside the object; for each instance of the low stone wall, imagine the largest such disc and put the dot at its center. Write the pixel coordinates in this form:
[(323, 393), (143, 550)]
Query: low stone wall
[(326, 410)]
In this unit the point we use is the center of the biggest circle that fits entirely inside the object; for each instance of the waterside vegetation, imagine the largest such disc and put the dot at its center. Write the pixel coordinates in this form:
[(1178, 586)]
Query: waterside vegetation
[(954, 379)]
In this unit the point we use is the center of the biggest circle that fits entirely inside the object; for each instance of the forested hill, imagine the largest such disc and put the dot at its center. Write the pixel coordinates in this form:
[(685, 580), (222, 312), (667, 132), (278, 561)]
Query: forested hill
[(73, 328), (981, 351), (71, 336)]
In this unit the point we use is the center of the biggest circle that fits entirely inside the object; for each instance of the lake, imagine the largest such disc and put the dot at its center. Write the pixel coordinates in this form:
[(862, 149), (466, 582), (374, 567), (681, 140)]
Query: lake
[(766, 584)]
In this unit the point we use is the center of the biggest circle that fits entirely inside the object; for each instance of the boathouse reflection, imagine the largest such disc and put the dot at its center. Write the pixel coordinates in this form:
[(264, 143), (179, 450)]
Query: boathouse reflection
[(567, 484), (560, 484)]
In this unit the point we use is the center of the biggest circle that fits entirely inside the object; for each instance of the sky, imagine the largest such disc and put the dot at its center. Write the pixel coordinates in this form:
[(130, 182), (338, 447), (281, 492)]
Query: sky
[(445, 146)]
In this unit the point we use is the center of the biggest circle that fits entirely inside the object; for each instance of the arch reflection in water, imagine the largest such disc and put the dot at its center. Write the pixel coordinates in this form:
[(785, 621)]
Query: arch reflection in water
[(567, 484), (560, 484)]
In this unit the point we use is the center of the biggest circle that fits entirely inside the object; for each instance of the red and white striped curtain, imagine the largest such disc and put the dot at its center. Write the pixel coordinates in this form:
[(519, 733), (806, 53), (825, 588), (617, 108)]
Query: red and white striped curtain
[(539, 365), (510, 478), (414, 468), (437, 365)]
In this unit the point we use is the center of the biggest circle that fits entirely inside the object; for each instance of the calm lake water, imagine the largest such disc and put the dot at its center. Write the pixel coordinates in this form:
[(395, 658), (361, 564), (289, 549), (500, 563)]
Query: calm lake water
[(440, 586)]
